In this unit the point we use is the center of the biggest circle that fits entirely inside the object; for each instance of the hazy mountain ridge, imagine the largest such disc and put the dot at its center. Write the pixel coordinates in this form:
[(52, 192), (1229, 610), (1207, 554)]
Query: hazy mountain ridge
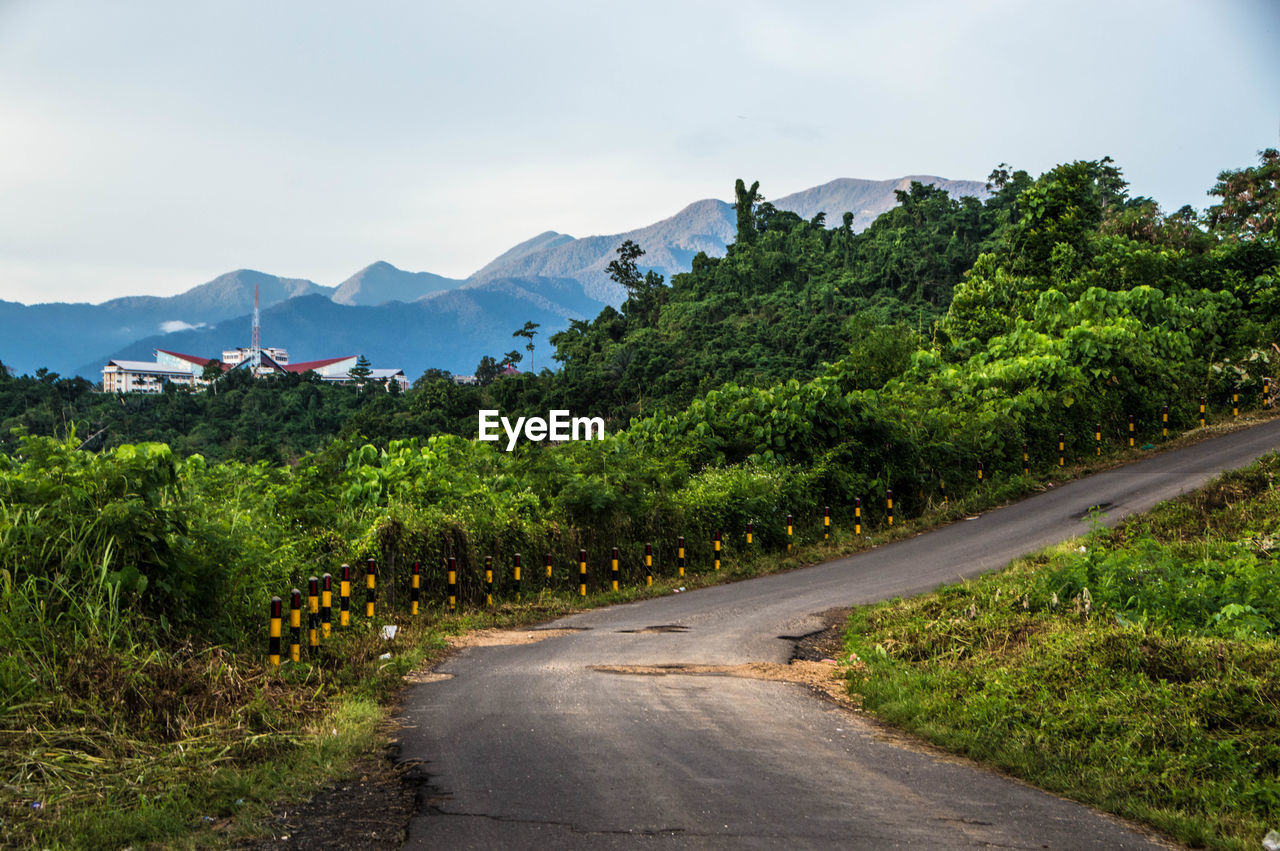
[(553, 277), (867, 199), (541, 242), (708, 225), (62, 336), (670, 245), (451, 330), (379, 283)]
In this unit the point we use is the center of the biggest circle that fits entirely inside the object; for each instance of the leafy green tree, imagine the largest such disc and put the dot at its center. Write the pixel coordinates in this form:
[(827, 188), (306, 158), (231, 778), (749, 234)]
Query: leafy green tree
[(361, 371), (624, 270), (487, 370), (529, 331), (745, 206), (1250, 205)]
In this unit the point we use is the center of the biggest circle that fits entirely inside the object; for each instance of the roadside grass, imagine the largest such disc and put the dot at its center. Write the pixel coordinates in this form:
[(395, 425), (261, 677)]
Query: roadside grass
[(1136, 670), (190, 746), (107, 743)]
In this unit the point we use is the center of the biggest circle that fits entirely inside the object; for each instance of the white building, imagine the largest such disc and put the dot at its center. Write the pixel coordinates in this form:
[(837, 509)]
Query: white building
[(126, 376), (234, 357), (131, 376)]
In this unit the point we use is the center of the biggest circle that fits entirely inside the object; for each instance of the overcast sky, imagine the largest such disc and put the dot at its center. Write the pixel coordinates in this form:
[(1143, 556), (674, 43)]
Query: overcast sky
[(146, 147)]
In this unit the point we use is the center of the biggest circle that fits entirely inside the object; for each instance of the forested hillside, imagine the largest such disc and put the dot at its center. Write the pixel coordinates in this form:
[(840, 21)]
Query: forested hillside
[(809, 367), (790, 296), (1057, 283)]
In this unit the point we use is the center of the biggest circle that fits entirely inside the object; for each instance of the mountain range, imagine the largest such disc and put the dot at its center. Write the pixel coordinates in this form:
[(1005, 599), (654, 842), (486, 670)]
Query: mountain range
[(411, 320)]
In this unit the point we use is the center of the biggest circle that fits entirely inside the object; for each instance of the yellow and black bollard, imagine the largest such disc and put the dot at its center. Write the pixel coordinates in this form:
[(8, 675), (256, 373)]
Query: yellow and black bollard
[(488, 580), (548, 560), (751, 529), (716, 544), (1026, 460), (1201, 412), (295, 625), (791, 530), (313, 612), (370, 588), (451, 576), (326, 605), (1097, 437), (1062, 449), (613, 569), (1131, 432), (942, 488), (582, 573), (979, 471), (857, 516), (826, 523), (344, 596), (1235, 401), (680, 556), (273, 633), (515, 574), (1164, 422), (648, 565), (415, 588), (888, 495)]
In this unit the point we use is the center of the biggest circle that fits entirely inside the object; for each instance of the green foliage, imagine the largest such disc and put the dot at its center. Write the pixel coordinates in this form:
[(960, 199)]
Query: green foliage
[(1250, 199), (1136, 672), (808, 367)]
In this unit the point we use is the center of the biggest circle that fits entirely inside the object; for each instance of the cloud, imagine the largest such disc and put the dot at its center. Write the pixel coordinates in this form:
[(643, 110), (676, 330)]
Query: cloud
[(178, 325)]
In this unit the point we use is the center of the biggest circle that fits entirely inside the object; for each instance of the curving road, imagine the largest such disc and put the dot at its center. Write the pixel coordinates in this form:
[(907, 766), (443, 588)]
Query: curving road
[(530, 746)]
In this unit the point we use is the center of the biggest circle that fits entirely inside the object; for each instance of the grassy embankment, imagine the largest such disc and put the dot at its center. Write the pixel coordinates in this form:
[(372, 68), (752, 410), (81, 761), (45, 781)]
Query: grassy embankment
[(1136, 670), (138, 744)]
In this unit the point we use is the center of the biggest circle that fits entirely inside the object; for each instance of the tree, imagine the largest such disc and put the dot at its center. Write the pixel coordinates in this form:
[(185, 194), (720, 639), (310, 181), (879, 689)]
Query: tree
[(211, 373), (487, 370), (1250, 199), (745, 202), (642, 290), (361, 371), (432, 375), (624, 270), (528, 332), (998, 177)]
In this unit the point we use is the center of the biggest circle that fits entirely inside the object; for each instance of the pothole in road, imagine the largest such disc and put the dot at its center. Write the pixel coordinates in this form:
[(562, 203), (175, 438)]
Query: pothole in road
[(662, 627), (1092, 510), (823, 678), (813, 662)]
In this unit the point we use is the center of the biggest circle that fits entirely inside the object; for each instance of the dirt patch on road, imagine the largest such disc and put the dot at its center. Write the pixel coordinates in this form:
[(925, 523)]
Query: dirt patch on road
[(819, 663), (826, 679), (505, 637)]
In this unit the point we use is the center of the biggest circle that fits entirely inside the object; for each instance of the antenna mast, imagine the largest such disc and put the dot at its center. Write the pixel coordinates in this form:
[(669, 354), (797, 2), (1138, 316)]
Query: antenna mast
[(255, 350)]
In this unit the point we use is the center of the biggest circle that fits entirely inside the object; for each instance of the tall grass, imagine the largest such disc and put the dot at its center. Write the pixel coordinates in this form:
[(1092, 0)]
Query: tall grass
[(1137, 670)]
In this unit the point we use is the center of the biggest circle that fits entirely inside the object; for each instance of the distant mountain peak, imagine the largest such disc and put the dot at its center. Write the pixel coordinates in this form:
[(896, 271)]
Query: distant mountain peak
[(381, 282)]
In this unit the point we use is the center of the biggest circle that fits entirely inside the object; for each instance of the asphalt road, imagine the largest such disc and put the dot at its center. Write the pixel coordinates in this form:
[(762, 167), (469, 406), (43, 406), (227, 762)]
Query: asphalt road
[(529, 746)]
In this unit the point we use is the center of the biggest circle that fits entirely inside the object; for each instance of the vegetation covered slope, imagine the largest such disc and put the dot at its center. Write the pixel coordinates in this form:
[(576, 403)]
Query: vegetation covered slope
[(136, 556), (1136, 670)]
